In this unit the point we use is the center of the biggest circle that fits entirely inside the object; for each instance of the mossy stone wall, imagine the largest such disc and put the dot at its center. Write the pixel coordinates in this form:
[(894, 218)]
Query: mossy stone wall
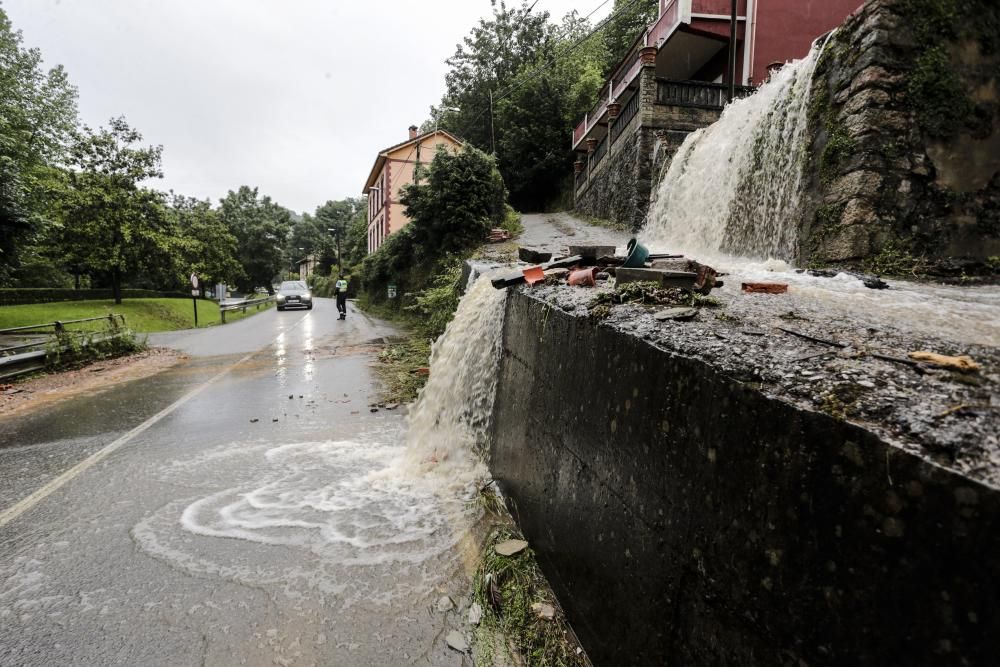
[(905, 126)]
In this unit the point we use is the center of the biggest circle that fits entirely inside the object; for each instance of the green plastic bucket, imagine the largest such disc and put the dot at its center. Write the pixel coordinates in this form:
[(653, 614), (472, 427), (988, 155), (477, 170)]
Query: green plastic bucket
[(636, 254)]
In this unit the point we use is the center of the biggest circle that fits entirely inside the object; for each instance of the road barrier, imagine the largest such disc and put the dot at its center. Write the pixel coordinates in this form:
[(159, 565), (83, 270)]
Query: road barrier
[(31, 352), (242, 305)]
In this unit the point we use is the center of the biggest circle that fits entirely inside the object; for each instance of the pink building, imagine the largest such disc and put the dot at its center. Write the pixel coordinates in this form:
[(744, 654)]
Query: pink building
[(394, 168)]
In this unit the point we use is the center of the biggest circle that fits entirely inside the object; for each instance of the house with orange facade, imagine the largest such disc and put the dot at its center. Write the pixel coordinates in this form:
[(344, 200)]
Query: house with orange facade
[(396, 167)]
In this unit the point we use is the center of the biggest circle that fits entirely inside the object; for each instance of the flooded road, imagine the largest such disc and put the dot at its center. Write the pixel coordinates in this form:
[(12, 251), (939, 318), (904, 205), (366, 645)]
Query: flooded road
[(245, 507)]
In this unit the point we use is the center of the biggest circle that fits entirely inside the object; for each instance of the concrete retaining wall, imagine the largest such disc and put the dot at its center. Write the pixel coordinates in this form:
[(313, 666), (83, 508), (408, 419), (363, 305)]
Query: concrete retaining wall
[(686, 518)]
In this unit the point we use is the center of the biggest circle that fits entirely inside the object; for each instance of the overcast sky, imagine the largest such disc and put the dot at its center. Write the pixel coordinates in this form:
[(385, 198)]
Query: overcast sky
[(293, 96)]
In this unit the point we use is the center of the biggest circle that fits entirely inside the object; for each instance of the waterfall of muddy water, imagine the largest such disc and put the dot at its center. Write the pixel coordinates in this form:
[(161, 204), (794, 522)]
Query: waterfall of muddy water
[(731, 198), (447, 424), (375, 518), (734, 187)]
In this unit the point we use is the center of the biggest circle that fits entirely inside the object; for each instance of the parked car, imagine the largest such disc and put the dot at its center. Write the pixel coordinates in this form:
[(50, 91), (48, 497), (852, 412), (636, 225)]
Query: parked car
[(294, 294)]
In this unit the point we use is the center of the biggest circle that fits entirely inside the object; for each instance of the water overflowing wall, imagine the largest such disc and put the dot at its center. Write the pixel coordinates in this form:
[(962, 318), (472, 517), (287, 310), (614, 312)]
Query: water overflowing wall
[(735, 186), (881, 149), (447, 425)]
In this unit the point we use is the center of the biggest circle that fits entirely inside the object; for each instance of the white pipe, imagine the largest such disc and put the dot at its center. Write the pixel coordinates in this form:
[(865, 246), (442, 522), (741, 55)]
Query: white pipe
[(750, 41)]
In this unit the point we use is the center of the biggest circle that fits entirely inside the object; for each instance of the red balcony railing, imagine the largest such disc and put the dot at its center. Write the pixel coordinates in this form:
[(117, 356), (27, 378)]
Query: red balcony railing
[(628, 70)]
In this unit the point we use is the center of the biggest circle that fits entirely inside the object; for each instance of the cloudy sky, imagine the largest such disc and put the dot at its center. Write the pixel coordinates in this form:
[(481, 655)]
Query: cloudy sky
[(294, 96)]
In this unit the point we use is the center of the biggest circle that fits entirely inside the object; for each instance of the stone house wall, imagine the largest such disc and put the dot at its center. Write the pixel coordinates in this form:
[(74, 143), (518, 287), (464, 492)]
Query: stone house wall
[(620, 185)]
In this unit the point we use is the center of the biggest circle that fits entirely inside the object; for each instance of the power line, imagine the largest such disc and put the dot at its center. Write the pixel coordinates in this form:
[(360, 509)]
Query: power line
[(521, 20)]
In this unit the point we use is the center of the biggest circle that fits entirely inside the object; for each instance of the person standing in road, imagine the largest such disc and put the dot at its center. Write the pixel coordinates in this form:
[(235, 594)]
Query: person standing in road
[(341, 288)]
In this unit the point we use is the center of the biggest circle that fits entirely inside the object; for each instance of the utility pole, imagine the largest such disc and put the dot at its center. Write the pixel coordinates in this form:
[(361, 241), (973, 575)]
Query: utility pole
[(493, 137), (340, 267), (732, 51)]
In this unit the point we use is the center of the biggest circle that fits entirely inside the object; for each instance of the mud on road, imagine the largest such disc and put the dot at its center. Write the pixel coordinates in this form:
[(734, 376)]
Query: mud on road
[(46, 390)]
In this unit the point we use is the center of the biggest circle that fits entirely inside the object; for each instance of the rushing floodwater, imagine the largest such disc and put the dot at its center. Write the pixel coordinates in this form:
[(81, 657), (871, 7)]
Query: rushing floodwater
[(397, 497), (731, 198), (734, 187)]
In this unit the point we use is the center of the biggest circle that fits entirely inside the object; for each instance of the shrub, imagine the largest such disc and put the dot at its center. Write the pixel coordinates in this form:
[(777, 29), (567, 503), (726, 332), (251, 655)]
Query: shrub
[(71, 348), (27, 295)]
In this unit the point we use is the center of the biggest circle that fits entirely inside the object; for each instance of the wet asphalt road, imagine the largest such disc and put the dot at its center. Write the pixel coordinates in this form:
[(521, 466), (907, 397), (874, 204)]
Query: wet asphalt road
[(232, 510)]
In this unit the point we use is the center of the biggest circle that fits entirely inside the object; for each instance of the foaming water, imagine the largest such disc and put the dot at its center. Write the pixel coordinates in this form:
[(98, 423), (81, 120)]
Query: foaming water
[(447, 424), (328, 516), (735, 186), (310, 516), (731, 198), (965, 315)]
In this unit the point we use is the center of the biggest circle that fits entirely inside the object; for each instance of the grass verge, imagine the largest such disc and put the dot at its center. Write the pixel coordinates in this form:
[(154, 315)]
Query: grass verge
[(143, 315), (515, 598), (402, 368)]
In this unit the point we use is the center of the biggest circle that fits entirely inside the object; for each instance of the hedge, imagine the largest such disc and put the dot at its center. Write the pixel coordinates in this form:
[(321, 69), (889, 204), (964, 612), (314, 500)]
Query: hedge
[(18, 296)]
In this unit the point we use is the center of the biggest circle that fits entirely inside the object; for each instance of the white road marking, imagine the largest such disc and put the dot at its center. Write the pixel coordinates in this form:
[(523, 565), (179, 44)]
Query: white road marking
[(44, 492)]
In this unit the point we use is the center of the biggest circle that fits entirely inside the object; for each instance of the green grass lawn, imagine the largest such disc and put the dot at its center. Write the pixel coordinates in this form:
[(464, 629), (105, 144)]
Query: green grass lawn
[(141, 315)]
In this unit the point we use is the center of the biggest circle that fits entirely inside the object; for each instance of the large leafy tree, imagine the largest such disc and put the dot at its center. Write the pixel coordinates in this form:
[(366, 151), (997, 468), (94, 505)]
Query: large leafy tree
[(261, 227), (355, 241), (112, 226), (453, 210), (339, 216), (37, 115), (519, 83), (628, 19), (206, 246), (316, 234)]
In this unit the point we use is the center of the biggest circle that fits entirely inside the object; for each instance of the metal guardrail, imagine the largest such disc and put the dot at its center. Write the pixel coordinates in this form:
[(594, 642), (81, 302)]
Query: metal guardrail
[(242, 305), (60, 325), (30, 356)]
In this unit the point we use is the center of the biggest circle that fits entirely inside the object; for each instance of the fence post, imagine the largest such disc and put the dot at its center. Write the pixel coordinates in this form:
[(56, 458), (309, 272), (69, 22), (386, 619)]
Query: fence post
[(222, 314), (58, 326)]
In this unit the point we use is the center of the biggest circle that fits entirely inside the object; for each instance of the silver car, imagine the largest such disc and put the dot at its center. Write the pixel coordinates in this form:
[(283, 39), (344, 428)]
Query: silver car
[(294, 294)]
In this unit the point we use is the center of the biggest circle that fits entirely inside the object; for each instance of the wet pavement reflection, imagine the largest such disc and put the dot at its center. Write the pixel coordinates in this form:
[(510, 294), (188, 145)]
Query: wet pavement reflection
[(260, 522)]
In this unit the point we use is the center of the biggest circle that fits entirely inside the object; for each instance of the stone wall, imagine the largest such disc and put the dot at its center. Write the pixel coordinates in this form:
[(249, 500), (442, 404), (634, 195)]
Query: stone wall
[(905, 166), (613, 192), (620, 185), (687, 518)]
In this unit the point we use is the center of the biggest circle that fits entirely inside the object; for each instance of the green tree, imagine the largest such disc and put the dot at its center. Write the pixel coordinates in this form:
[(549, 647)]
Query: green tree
[(339, 216), (628, 19), (206, 245), (261, 227), (461, 199), (110, 225), (355, 242), (37, 115), (520, 83)]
